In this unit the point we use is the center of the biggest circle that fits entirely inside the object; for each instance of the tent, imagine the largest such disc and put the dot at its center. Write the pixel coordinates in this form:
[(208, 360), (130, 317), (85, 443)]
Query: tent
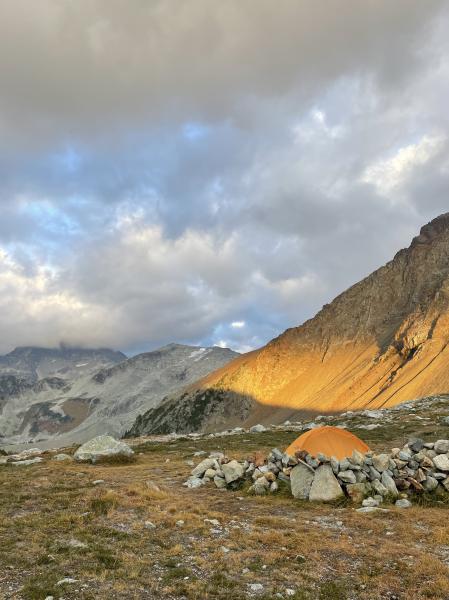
[(330, 441)]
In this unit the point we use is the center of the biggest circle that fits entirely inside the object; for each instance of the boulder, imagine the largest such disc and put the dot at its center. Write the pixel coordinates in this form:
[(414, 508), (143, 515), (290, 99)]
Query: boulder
[(232, 470), (357, 458), (430, 484), (301, 478), (194, 482), (102, 447), (219, 482), (325, 486), (379, 488)]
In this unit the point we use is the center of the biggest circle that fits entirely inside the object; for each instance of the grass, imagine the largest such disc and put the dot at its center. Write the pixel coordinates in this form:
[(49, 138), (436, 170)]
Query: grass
[(54, 523)]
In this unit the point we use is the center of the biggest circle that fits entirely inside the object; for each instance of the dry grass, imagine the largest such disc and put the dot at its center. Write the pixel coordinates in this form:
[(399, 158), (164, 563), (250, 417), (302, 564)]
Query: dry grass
[(54, 523)]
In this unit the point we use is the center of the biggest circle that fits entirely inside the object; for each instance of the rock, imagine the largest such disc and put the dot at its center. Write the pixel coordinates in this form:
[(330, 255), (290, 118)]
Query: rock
[(357, 458), (66, 580), (388, 482), (101, 447), (347, 477), (312, 462), (370, 502), (30, 461), (430, 484), (356, 491), (325, 486), (149, 525), (203, 466), (381, 462), (441, 461), (98, 482), (255, 588), (277, 454), (274, 487), (416, 445), (344, 464), (335, 464), (370, 509), (232, 470), (62, 457), (404, 456), (429, 445), (257, 429), (441, 446), (200, 453), (374, 473), (210, 473), (403, 503), (219, 482), (180, 523), (379, 487), (301, 478), (193, 483)]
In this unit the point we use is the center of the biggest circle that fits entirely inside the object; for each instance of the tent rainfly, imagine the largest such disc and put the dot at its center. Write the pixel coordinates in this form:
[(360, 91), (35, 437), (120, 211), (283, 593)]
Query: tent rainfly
[(330, 441)]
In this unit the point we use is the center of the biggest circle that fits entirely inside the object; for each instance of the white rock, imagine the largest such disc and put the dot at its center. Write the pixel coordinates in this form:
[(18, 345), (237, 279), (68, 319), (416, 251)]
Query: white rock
[(232, 470), (103, 446), (256, 588), (62, 457), (203, 466), (441, 446), (66, 580), (193, 483), (403, 503), (30, 461), (257, 429)]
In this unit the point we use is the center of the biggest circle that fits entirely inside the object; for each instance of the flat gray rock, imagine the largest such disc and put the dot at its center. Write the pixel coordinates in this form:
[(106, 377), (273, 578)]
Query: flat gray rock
[(325, 486), (301, 478)]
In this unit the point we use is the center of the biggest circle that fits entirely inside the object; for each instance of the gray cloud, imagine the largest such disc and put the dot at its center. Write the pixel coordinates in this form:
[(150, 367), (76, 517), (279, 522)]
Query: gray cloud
[(168, 169)]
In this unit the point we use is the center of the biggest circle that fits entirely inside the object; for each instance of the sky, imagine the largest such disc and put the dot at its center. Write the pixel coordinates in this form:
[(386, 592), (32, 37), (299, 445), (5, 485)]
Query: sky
[(210, 172)]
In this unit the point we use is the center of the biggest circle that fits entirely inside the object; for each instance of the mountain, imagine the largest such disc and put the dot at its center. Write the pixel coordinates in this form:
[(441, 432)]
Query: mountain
[(31, 364), (383, 341), (108, 400)]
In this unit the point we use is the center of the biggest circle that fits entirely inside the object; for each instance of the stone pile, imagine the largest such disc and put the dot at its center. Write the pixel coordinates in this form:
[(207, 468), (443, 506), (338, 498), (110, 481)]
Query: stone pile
[(417, 467)]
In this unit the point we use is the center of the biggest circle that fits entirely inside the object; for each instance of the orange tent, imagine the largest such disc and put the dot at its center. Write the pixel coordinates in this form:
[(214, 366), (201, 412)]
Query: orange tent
[(330, 441)]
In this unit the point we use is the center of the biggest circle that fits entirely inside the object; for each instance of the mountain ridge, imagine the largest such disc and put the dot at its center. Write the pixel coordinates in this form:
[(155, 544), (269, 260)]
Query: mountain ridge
[(383, 340)]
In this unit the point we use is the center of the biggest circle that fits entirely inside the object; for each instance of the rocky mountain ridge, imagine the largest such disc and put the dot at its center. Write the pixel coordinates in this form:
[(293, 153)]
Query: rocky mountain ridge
[(383, 341), (58, 411)]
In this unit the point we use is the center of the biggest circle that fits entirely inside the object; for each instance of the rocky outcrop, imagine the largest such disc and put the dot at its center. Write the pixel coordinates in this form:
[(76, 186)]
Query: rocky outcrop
[(383, 341)]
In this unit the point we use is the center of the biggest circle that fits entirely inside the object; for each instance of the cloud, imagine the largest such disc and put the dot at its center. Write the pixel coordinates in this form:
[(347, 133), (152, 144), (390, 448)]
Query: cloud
[(210, 172)]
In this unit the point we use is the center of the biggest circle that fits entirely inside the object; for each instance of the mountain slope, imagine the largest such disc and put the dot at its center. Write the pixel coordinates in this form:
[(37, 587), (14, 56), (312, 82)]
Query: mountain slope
[(109, 400), (382, 341)]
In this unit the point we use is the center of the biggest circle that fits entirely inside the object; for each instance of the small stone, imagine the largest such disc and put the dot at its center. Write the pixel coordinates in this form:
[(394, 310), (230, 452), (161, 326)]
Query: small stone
[(233, 470), (180, 523), (389, 484), (374, 473), (405, 456), (370, 509), (219, 482), (370, 502), (289, 592), (257, 429), (430, 484), (441, 446), (347, 477), (403, 503), (256, 588), (356, 492), (335, 464), (379, 487), (98, 482), (416, 445), (225, 550), (274, 487), (381, 462), (357, 458), (62, 457), (66, 580), (194, 482), (441, 461), (203, 466), (149, 525), (210, 473)]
